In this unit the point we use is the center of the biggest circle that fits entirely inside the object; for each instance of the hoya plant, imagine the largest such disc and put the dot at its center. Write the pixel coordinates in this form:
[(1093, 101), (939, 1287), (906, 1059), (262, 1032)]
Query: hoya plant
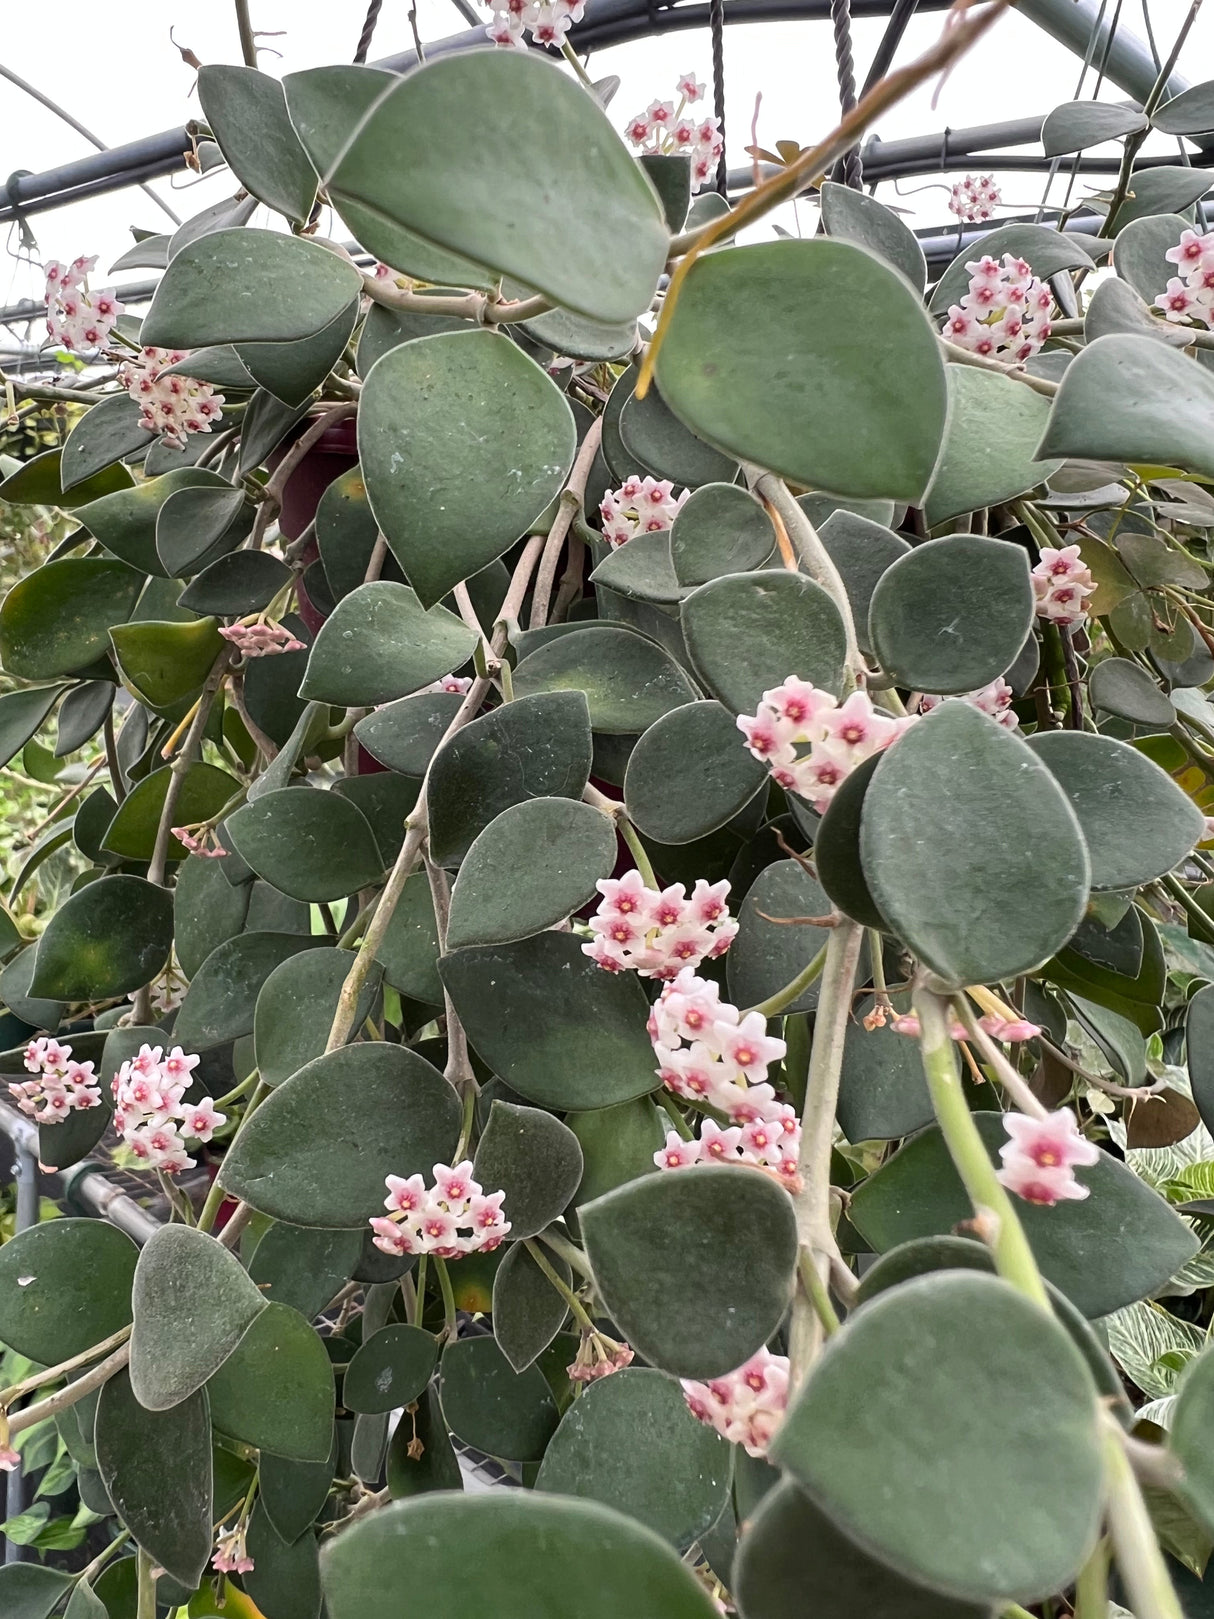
[(640, 825)]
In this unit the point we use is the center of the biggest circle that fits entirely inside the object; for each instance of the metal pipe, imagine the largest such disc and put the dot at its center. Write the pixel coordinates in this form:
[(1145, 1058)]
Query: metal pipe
[(85, 1184), (1129, 64), (25, 1183)]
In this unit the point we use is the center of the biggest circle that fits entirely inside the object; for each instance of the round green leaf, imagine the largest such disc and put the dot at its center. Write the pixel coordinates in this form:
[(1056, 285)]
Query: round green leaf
[(1138, 253), (695, 1268), (641, 569), (767, 953), (748, 631), (489, 1405), (198, 526), (37, 483), (629, 681), (1116, 307), (391, 1368), (719, 529), (293, 1493), (837, 849), (1136, 821), (204, 792), (125, 522), (317, 1150), (408, 951), (918, 1193), (404, 735), (994, 428), (962, 823), (533, 212), (857, 408), (987, 1523), (861, 550), (537, 746), (618, 1144), (513, 1553), (304, 1268), (952, 614), (687, 776), (310, 844), (380, 643), (165, 663), (654, 435), (193, 1302), (631, 1443), (882, 1092), (108, 432), (528, 1311), (444, 426), (295, 1009), (247, 112), (244, 582), (108, 939), (532, 1157), (22, 714), (1077, 124), (1170, 188), (31, 1591), (534, 1009), (275, 1390), (854, 216), (57, 619), (531, 867), (385, 329), (64, 1285), (284, 1581), (790, 1548), (1121, 687), (248, 286), (346, 530), (566, 333), (221, 1000)]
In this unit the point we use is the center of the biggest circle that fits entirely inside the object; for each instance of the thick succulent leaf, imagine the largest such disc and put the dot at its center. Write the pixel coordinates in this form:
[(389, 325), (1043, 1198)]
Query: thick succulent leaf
[(1138, 253), (1189, 113), (994, 428), (854, 216), (32, 1591), (882, 1092), (57, 619), (535, 1159), (1170, 188), (861, 550), (492, 1407), (514, 1553), (641, 569), (629, 681), (747, 632), (837, 850), (857, 408), (22, 714), (196, 526), (108, 432), (248, 286), (951, 615), (193, 1302), (1076, 124), (132, 832), (532, 866), (1199, 1050), (1189, 1434), (380, 643), (655, 437), (1116, 307), (1121, 687), (971, 849), (247, 112), (294, 1493), (530, 213), (296, 1006), (719, 529), (770, 950), (106, 940), (346, 532), (221, 1001), (408, 951), (318, 1148), (694, 1266), (444, 426), (1119, 1244), (164, 663), (535, 1008), (275, 1390), (985, 1524), (528, 1311), (310, 844), (304, 1268), (244, 582), (64, 1286), (687, 776), (618, 1144), (125, 522), (391, 1369), (284, 1581), (38, 482)]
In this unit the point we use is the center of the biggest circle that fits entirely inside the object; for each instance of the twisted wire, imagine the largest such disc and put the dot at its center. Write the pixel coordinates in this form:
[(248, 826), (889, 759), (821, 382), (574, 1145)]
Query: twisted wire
[(840, 17), (364, 39), (716, 24)]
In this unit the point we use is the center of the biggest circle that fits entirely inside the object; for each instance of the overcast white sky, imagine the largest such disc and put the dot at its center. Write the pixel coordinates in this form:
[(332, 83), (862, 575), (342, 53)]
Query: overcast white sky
[(128, 80)]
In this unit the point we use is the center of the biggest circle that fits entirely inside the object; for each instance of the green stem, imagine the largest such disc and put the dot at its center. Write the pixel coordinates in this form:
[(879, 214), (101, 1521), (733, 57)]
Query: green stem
[(146, 1577), (1092, 1585), (103, 1557), (1180, 893), (571, 56), (444, 1282), (569, 1251), (423, 1266), (217, 1193), (668, 1107), (819, 1294), (243, 1089), (1148, 1584), (795, 988), (1013, 1257), (629, 835), (465, 1132), (558, 1281)]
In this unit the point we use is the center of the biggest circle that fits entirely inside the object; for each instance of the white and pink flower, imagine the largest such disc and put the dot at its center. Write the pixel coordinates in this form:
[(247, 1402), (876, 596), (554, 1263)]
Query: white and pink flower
[(1189, 296), (453, 1217), (172, 406), (658, 933), (770, 1144), (745, 1406), (710, 1055), (974, 198), (1061, 581), (151, 1113), (1039, 1159), (663, 128), (1005, 315), (639, 506), (548, 20), (77, 319), (994, 700), (60, 1086)]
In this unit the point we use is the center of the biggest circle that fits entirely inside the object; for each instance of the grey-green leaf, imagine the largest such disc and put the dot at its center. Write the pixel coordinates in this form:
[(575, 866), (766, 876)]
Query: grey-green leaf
[(532, 1157), (64, 1285), (994, 428), (747, 632), (1076, 124), (275, 1390), (309, 844), (687, 776), (854, 216), (380, 643), (629, 681), (247, 112)]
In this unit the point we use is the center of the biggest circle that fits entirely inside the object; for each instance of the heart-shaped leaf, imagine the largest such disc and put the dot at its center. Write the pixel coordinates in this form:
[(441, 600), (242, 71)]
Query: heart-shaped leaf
[(1170, 188), (403, 736), (655, 437), (531, 867), (391, 1369), (285, 1577), (1138, 253), (861, 550), (296, 1006), (247, 112), (1189, 113), (248, 286), (311, 845), (318, 1148), (531, 1552), (748, 631), (81, 715), (444, 426), (125, 522), (293, 1493), (23, 712), (108, 432), (1121, 687), (196, 527), (57, 619), (951, 615), (156, 1469), (489, 1405), (994, 428), (961, 822), (1077, 124), (275, 1390), (641, 569), (854, 216), (204, 792), (771, 948), (106, 940), (719, 529), (64, 1286), (221, 1001), (628, 680), (546, 738), (408, 951), (532, 1157), (528, 1311), (193, 1302), (532, 1011), (687, 776), (987, 1525), (304, 1268), (380, 643), (1116, 307), (164, 663), (695, 1268), (819, 417), (244, 582)]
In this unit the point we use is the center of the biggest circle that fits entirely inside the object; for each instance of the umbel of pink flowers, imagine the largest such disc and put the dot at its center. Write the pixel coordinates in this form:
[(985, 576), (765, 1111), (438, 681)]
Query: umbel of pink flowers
[(548, 20), (745, 1406), (656, 933), (453, 1217), (1040, 1157), (665, 127), (150, 1111), (1005, 314), (639, 506), (1190, 295), (974, 198), (60, 1084)]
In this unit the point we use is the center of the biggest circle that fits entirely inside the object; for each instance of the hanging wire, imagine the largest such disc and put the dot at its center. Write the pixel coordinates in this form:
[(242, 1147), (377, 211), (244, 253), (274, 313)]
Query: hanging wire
[(716, 24), (369, 22), (840, 16)]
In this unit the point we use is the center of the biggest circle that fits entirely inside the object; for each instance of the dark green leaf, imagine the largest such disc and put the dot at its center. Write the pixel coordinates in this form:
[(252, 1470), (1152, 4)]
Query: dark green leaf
[(108, 939), (391, 1369), (687, 776), (37, 483), (404, 735), (30, 1591), (837, 849), (1121, 687), (489, 1405), (1077, 124), (628, 680), (207, 910), (641, 569), (385, 329), (310, 844), (1189, 113), (198, 526), (671, 176), (1170, 188), (81, 715), (109, 431), (293, 1493), (275, 1390), (165, 663), (408, 951), (64, 1286), (22, 714), (654, 435), (247, 112), (719, 529), (535, 1159), (57, 619), (528, 1311), (204, 792), (861, 550), (1199, 1049), (244, 582), (304, 1268), (380, 643), (284, 1581), (882, 1092), (221, 1000), (994, 428), (125, 522), (769, 950), (295, 1009)]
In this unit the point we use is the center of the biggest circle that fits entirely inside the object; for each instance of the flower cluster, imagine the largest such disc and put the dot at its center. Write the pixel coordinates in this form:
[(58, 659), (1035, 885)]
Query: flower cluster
[(658, 933), (261, 639), (639, 506), (994, 700), (1060, 582), (598, 1356), (974, 198), (76, 318), (1190, 295), (172, 406), (664, 127), (61, 1084), (458, 684), (149, 1111), (231, 1553), (1039, 1160), (840, 737), (746, 1406), (200, 839), (548, 20), (449, 1219), (709, 1053), (1009, 1030), (1005, 313), (770, 1144)]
